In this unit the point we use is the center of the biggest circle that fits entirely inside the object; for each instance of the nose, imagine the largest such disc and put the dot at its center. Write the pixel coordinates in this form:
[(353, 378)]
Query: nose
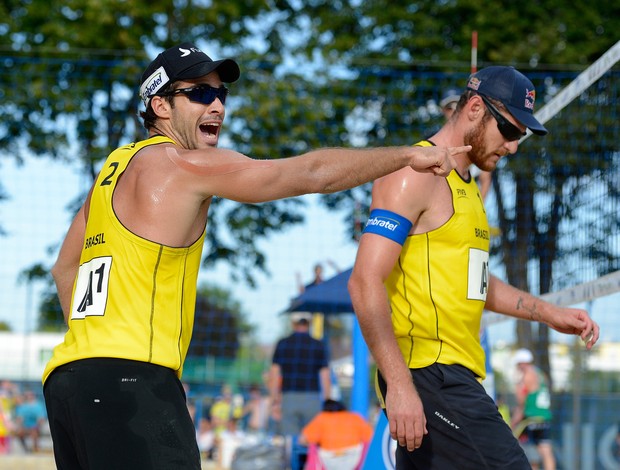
[(216, 107), (512, 146)]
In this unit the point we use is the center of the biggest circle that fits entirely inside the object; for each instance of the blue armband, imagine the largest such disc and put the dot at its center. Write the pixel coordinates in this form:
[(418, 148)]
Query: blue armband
[(389, 225)]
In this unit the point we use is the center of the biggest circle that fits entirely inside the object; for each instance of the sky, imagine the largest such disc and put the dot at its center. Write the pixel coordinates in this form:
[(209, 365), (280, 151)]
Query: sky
[(35, 219)]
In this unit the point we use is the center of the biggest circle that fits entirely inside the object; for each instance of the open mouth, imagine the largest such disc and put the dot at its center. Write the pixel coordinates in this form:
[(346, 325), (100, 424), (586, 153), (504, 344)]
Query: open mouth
[(210, 129)]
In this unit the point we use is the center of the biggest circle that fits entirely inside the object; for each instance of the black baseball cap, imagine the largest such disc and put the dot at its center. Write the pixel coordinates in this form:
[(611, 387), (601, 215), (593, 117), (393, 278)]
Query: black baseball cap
[(513, 89), (182, 62)]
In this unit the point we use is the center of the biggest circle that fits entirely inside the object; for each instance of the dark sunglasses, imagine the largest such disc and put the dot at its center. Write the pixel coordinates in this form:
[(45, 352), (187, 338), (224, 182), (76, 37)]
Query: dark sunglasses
[(506, 128), (204, 94)]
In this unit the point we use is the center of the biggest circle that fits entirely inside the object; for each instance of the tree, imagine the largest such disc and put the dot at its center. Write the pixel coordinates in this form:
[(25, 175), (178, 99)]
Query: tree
[(218, 324), (82, 60), (302, 64), (531, 36)]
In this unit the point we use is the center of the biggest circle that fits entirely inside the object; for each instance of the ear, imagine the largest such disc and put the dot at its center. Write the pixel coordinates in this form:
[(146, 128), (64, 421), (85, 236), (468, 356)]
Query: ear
[(475, 108), (161, 107)]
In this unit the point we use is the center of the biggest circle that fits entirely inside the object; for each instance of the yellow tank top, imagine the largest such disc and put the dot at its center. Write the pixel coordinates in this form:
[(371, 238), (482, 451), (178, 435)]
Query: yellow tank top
[(132, 298), (438, 287)]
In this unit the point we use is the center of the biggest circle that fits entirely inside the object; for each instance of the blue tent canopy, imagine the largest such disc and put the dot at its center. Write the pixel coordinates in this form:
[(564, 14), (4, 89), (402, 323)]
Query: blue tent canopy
[(328, 297)]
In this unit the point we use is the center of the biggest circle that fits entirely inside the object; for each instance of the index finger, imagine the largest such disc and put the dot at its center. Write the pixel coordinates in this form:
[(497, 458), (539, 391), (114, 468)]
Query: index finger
[(461, 149)]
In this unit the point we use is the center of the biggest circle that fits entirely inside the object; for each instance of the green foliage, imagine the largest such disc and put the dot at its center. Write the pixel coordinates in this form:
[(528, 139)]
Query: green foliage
[(50, 317), (70, 70), (218, 325), (546, 32)]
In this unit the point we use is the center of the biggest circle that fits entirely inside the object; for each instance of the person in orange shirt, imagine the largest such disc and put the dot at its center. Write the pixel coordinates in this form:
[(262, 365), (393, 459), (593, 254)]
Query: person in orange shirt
[(340, 437)]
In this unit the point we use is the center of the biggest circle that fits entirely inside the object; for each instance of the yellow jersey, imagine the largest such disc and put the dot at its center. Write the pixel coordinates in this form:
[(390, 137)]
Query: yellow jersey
[(132, 298), (438, 287)]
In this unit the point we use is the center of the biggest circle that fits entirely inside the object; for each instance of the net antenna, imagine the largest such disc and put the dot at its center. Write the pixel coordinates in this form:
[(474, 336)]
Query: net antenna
[(474, 51), (577, 86)]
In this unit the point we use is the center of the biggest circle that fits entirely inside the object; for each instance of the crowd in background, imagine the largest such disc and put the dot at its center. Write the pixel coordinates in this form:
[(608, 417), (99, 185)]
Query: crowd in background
[(235, 420), (23, 419)]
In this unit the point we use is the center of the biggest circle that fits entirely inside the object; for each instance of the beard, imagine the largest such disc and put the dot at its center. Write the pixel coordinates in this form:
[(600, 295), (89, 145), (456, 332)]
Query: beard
[(476, 155)]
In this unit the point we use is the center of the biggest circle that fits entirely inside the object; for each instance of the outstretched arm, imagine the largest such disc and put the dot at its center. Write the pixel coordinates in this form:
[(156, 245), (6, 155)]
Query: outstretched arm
[(508, 300), (233, 176)]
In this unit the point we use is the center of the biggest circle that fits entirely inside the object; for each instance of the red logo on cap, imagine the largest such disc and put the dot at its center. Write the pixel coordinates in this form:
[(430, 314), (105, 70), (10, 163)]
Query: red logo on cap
[(474, 83), (530, 97)]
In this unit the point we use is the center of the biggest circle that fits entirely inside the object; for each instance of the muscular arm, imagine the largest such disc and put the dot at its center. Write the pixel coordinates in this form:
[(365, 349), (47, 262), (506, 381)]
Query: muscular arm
[(231, 175), (375, 259), (66, 267), (407, 194), (506, 299)]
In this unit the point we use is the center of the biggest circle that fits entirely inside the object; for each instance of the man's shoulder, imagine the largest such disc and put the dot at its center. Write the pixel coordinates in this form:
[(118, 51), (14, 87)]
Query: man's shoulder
[(296, 338)]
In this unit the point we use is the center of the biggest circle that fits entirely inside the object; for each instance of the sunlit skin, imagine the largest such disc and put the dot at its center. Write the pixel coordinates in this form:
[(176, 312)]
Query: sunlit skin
[(154, 196), (176, 182), (427, 202), (197, 126), (485, 136)]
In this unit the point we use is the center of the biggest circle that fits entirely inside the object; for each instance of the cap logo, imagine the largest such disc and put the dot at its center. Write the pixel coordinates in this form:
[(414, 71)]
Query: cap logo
[(152, 84), (186, 52), (530, 97), (474, 83)]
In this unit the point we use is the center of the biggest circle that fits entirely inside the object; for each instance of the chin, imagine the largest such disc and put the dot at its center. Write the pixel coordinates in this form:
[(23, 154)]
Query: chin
[(208, 144)]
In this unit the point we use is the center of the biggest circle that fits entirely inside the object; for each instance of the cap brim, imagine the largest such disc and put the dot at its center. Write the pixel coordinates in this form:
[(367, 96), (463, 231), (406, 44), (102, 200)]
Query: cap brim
[(449, 100), (528, 120), (227, 69)]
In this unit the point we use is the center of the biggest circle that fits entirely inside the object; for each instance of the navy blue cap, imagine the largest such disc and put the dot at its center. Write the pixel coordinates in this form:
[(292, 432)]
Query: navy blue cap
[(513, 89), (182, 62)]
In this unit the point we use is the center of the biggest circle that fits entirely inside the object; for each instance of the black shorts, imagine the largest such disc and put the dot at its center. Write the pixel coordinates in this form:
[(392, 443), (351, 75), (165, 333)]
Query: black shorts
[(538, 433), (118, 414), (465, 429)]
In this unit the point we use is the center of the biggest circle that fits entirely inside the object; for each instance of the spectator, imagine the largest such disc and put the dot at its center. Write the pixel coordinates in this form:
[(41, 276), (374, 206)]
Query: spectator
[(299, 374), (340, 436), (8, 392), (256, 410), (5, 429), (230, 440), (223, 410), (205, 438), (534, 406), (318, 276), (448, 102), (29, 417)]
